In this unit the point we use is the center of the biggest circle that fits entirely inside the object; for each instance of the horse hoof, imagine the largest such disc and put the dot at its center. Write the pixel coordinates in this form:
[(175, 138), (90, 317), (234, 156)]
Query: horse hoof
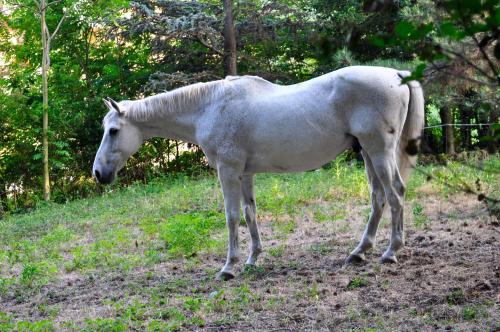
[(355, 259), (388, 260), (224, 276)]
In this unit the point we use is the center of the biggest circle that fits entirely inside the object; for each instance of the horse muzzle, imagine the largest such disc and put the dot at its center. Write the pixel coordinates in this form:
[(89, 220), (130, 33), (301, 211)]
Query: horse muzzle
[(104, 176)]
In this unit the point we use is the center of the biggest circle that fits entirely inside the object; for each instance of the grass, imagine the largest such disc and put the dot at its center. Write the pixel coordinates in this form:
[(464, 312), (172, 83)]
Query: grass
[(420, 220), (356, 283), (176, 221)]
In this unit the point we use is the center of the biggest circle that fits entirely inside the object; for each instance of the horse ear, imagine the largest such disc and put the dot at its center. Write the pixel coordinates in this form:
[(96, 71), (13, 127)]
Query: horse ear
[(115, 105), (112, 105), (106, 102)]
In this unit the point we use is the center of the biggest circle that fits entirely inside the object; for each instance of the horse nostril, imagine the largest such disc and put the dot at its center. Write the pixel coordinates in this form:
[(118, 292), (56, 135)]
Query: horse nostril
[(97, 175)]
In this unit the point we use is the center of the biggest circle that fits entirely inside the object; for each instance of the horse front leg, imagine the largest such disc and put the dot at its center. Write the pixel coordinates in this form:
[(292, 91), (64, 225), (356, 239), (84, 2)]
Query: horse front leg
[(250, 210), (230, 180)]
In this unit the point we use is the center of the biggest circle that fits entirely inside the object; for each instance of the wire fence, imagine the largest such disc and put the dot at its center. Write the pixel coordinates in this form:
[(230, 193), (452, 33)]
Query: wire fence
[(460, 125)]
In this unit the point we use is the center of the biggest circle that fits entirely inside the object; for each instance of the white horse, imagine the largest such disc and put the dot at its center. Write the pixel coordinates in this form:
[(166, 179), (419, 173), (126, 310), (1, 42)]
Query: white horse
[(247, 125)]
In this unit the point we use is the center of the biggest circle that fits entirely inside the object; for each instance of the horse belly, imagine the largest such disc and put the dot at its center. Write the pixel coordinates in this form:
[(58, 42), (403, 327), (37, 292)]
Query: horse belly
[(293, 158)]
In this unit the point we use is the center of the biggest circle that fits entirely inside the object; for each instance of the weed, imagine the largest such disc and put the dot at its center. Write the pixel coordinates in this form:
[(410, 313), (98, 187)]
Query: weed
[(197, 321), (172, 314), (321, 248), (6, 322), (192, 304), (313, 291), (243, 295), (217, 301), (469, 313), (277, 251), (253, 271), (104, 325), (420, 220), (357, 282), (186, 234), (456, 296), (385, 284), (275, 301), (284, 228)]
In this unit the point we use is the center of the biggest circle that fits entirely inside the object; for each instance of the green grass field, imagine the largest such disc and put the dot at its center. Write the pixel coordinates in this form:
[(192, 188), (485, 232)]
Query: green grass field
[(149, 253)]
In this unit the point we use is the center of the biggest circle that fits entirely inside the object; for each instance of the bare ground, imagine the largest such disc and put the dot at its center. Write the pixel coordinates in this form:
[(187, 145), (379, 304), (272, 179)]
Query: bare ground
[(447, 278)]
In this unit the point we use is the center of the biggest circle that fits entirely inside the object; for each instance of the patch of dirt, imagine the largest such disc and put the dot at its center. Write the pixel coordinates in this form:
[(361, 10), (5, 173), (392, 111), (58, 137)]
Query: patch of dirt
[(447, 278)]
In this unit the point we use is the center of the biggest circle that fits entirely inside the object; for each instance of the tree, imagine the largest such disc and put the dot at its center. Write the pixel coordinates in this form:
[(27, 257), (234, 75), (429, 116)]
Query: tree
[(85, 66), (47, 38), (229, 40), (131, 49), (446, 115), (458, 41)]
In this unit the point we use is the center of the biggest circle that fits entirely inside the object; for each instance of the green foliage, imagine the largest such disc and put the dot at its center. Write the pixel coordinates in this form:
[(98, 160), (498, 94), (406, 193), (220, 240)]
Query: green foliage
[(76, 90), (356, 283), (420, 220), (456, 296), (129, 49), (276, 251), (104, 324), (7, 323), (469, 313), (444, 24), (456, 45), (186, 234)]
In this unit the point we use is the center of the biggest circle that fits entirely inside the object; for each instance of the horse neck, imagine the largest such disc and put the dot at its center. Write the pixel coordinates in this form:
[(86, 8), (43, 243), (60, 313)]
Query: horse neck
[(174, 114), (181, 126)]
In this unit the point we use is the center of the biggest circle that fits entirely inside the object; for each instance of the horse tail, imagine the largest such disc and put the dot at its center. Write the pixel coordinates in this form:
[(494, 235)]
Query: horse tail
[(409, 142)]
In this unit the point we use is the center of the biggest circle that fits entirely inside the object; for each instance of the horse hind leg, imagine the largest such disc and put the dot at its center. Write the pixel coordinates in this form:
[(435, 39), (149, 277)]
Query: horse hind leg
[(386, 168), (380, 147), (378, 202)]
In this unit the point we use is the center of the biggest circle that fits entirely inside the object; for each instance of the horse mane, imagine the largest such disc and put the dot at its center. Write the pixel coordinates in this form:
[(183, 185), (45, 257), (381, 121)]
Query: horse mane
[(172, 101)]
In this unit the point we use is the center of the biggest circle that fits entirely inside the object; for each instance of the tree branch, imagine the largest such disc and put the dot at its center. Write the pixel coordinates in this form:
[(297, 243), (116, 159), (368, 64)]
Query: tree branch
[(47, 31), (200, 39), (58, 26), (445, 70), (470, 63), (17, 4), (50, 3), (53, 2), (485, 56)]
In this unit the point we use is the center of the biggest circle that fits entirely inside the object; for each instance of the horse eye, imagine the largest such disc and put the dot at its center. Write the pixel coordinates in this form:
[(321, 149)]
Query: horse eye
[(113, 131)]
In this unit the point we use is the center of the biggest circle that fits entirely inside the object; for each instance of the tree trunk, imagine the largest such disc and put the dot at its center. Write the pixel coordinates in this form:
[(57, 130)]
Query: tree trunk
[(428, 144), (465, 131), (177, 161), (447, 119), (467, 114), (492, 133), (45, 93), (229, 40)]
